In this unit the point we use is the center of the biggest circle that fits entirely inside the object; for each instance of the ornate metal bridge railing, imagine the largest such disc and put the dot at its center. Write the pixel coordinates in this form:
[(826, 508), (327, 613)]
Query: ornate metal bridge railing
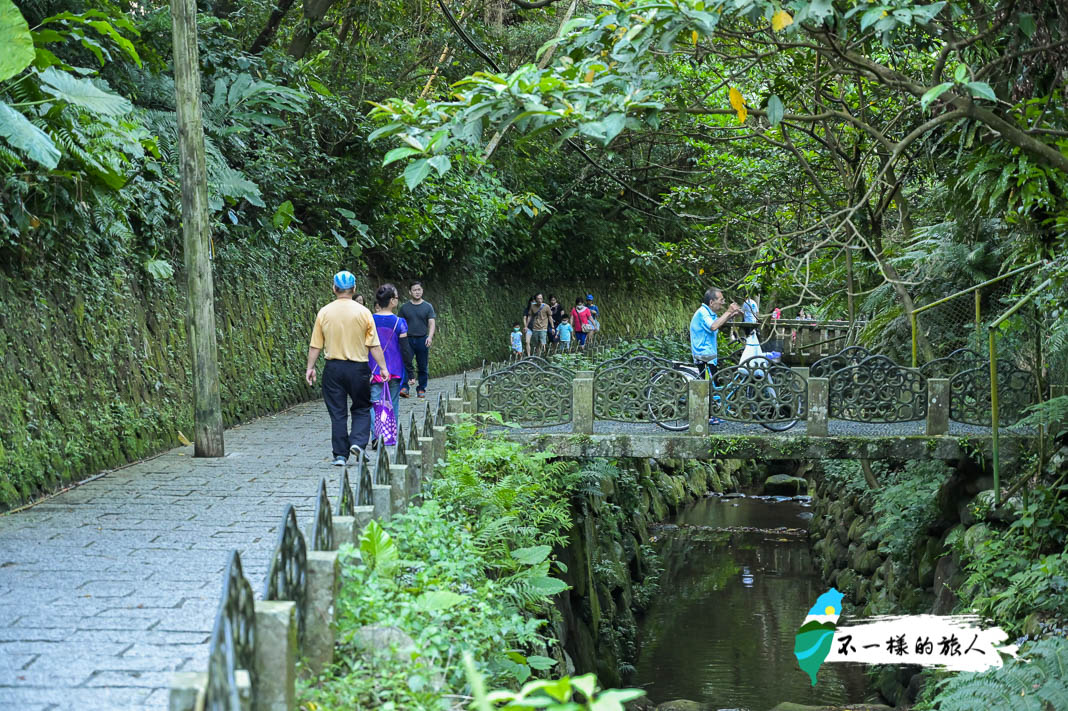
[(970, 394), (530, 392), (640, 386), (877, 390), (756, 391)]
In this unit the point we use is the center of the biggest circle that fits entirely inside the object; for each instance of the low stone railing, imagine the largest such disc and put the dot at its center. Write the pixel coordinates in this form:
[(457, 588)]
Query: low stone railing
[(642, 387), (255, 644)]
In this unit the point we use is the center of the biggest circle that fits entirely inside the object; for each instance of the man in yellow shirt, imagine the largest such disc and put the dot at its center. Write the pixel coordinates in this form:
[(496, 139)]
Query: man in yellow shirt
[(345, 332)]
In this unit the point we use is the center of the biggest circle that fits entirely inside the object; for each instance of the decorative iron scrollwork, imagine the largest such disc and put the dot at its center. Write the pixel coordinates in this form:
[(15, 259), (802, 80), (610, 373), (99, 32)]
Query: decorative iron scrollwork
[(639, 351), (364, 495), (233, 639), (346, 501), (428, 423), (528, 393), (323, 529), (413, 433), (956, 362), (969, 395), (401, 454), (845, 358), (287, 578), (877, 390), (222, 693), (642, 388), (382, 473), (439, 411), (759, 391)]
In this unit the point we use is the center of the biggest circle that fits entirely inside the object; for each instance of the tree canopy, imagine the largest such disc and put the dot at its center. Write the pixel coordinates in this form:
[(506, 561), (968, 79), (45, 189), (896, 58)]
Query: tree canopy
[(790, 149)]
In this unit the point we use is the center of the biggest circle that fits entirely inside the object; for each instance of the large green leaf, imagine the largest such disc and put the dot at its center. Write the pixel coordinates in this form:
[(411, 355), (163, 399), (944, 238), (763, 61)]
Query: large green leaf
[(15, 39), (437, 600), (532, 555), (548, 586), (82, 92), (17, 130)]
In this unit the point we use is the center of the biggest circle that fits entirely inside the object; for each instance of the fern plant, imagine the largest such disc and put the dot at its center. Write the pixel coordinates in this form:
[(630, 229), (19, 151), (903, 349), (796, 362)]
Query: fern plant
[(1036, 682)]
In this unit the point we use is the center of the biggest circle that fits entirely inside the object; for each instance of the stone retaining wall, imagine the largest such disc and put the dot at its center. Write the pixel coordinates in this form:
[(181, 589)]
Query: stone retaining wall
[(874, 582)]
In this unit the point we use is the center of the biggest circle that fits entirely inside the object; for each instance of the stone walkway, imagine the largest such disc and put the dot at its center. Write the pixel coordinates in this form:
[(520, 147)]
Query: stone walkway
[(107, 589)]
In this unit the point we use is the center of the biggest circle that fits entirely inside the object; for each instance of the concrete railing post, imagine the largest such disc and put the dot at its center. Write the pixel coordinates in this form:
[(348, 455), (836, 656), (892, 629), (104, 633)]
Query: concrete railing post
[(363, 516), (453, 408), (438, 447), (426, 458), (803, 372), (697, 397), (471, 396), (937, 406), (276, 655), (344, 527), (582, 405), (415, 480), (243, 682), (818, 407), (382, 496), (187, 691), (398, 474), (320, 609)]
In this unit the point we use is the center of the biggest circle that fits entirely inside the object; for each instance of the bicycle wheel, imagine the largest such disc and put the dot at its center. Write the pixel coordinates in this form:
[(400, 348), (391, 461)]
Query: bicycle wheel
[(663, 385), (779, 411)]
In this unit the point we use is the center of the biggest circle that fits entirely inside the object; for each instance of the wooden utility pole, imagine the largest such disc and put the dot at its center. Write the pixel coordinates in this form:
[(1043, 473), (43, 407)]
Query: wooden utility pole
[(200, 317)]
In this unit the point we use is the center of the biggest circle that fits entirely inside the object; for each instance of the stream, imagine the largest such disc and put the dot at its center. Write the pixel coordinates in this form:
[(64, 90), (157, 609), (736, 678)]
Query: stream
[(738, 581)]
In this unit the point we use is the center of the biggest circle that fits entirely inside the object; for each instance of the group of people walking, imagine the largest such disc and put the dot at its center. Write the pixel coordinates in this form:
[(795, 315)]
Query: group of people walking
[(545, 323), (350, 337)]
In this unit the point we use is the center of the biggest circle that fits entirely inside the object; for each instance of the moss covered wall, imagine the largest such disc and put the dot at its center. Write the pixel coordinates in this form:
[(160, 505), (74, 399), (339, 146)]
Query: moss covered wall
[(96, 370)]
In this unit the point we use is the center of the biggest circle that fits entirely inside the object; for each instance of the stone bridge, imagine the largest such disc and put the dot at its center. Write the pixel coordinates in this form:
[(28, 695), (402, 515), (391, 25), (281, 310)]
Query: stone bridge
[(849, 405)]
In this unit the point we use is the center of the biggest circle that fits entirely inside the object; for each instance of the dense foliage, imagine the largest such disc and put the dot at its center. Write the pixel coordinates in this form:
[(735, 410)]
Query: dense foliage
[(470, 570), (752, 143)]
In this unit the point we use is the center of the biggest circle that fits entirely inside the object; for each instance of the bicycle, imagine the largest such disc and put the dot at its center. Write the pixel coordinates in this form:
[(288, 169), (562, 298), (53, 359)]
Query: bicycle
[(749, 392)]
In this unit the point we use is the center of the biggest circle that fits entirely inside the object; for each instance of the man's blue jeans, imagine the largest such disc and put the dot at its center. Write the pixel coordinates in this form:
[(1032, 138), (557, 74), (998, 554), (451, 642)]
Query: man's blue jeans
[(394, 393), (421, 354)]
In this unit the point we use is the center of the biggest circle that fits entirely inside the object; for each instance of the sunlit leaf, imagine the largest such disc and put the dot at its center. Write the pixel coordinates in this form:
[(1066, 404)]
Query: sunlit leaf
[(736, 99), (781, 19), (15, 38)]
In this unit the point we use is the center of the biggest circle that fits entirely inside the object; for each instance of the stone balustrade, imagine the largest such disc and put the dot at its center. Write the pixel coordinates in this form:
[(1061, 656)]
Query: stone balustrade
[(254, 653)]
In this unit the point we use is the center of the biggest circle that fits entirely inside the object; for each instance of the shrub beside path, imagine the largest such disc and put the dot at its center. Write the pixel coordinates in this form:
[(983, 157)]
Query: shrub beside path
[(109, 588)]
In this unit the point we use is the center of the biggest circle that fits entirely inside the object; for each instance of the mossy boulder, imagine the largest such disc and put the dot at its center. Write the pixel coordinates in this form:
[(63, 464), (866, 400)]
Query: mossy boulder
[(785, 485), (684, 705)]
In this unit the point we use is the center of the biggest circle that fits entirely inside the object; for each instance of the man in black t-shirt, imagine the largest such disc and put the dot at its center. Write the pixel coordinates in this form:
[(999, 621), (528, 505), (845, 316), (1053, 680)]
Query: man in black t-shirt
[(421, 320)]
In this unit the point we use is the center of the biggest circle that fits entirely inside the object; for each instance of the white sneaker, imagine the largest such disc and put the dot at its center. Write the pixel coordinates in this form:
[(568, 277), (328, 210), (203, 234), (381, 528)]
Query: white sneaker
[(356, 450)]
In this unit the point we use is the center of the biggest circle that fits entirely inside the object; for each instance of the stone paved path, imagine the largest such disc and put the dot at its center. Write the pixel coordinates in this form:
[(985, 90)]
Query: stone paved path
[(107, 589)]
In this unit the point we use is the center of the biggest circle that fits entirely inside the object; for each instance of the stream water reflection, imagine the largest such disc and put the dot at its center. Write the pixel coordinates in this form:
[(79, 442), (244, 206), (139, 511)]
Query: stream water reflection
[(721, 631)]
